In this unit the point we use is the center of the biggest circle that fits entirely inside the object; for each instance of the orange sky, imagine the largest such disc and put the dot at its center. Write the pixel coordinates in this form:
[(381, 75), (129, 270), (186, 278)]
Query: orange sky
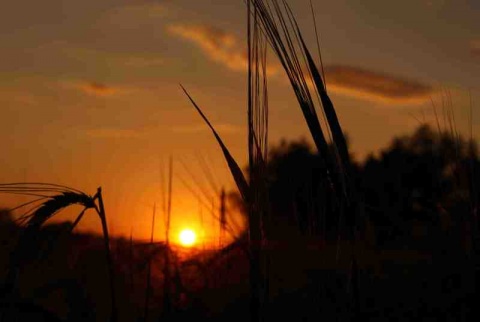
[(89, 91)]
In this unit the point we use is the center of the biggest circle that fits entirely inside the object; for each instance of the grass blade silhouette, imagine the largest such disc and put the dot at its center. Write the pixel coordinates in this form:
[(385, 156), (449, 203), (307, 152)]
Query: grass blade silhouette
[(232, 164), (103, 218)]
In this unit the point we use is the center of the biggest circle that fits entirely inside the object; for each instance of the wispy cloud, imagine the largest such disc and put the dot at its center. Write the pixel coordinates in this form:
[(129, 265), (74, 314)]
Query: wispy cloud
[(475, 48), (17, 96), (95, 88), (216, 44), (366, 84), (223, 48), (434, 4), (221, 128), (99, 89), (114, 58), (113, 133)]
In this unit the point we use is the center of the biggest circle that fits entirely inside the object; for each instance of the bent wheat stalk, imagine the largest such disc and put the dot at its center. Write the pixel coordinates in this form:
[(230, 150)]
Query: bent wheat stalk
[(35, 217)]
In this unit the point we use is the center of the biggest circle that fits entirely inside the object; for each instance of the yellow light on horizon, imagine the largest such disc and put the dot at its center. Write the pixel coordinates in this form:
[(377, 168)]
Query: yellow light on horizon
[(187, 237)]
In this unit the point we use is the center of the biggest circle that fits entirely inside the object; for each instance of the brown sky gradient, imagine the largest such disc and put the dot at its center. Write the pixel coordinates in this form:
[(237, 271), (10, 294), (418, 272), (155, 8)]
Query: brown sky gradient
[(89, 89)]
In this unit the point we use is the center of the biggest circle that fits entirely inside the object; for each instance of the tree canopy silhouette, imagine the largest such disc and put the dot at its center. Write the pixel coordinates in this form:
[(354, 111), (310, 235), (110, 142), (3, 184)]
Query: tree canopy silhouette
[(419, 177), (416, 178)]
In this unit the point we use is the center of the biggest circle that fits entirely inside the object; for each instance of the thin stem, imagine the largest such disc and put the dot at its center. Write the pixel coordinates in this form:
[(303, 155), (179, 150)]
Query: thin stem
[(106, 238)]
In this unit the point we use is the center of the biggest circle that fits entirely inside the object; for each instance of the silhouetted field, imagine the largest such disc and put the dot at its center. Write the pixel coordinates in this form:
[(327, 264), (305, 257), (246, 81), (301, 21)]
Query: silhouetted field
[(305, 281)]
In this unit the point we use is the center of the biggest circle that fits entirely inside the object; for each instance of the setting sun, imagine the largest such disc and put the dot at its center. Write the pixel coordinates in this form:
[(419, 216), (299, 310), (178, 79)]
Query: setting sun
[(187, 237)]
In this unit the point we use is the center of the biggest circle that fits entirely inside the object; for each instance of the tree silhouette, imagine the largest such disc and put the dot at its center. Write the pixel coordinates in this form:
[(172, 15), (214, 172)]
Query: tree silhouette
[(295, 185), (301, 200), (416, 178)]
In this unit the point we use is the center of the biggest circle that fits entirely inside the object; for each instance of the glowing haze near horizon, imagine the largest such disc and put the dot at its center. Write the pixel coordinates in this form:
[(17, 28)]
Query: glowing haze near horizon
[(89, 91)]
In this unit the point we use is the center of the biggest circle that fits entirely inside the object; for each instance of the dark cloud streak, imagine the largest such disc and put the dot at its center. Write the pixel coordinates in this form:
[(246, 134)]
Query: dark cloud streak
[(222, 47), (375, 86)]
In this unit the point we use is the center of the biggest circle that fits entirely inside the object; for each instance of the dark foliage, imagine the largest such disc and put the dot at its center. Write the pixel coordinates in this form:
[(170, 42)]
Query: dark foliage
[(418, 179)]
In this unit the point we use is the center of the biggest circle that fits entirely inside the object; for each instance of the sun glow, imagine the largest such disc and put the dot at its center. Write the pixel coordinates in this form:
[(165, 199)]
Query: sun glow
[(187, 237)]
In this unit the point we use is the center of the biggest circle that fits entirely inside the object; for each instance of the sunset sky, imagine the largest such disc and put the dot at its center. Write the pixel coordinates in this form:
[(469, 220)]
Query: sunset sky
[(90, 96)]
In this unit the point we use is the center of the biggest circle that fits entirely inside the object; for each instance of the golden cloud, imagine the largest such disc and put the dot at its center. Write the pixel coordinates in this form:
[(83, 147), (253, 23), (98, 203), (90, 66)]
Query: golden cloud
[(223, 48), (112, 133), (217, 44), (17, 96), (362, 83), (475, 47), (98, 89), (95, 88), (221, 128), (119, 59)]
